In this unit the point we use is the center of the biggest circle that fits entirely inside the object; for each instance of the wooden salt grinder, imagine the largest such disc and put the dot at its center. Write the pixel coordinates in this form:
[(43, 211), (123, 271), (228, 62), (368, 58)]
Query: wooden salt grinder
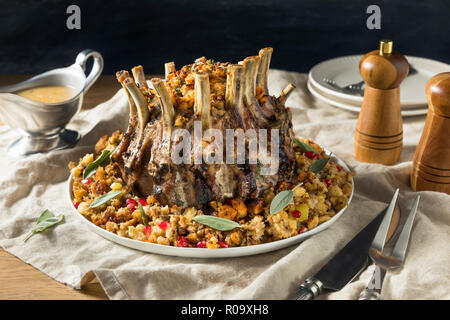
[(431, 164), (379, 132)]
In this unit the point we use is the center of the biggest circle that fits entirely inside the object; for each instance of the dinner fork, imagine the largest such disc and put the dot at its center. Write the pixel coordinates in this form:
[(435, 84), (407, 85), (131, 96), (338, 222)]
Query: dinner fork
[(382, 261), (357, 88), (350, 88)]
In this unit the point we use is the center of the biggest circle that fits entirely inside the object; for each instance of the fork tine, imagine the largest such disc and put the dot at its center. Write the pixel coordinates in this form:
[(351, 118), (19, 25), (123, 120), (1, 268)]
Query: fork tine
[(347, 89), (332, 84), (380, 237), (401, 246)]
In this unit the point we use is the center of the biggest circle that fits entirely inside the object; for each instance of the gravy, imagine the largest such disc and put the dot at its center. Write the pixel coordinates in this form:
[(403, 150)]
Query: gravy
[(47, 94)]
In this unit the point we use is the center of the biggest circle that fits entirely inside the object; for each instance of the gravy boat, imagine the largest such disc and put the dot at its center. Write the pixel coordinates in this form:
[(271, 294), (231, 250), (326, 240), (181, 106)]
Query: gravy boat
[(43, 125)]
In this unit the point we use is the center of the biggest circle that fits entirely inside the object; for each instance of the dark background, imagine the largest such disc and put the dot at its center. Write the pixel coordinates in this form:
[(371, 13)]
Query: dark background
[(34, 36)]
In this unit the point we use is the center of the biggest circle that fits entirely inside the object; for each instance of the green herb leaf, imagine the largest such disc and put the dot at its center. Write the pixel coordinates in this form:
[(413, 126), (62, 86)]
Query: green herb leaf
[(45, 215), (49, 222), (143, 214), (258, 168), (104, 198), (46, 220), (101, 161), (317, 166), (299, 185), (281, 200), (304, 146), (217, 223)]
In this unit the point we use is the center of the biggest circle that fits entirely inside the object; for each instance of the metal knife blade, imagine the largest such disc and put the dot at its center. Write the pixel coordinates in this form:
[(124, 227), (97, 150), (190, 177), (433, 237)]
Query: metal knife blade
[(344, 266)]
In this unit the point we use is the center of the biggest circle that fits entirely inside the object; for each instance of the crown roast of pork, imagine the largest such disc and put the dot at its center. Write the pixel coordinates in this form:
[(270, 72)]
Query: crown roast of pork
[(220, 95)]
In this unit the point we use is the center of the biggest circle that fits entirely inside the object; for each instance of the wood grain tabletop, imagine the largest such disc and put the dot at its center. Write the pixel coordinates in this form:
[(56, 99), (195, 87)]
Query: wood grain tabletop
[(19, 280)]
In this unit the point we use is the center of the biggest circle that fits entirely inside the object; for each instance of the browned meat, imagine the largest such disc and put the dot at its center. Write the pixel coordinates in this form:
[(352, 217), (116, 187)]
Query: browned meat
[(220, 96)]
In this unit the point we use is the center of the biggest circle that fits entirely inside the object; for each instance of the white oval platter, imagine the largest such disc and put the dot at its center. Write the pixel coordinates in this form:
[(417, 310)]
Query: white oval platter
[(203, 252)]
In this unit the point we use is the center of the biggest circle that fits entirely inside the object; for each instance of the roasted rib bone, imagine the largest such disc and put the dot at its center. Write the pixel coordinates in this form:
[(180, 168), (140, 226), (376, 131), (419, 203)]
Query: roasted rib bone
[(202, 107), (201, 92), (261, 115), (167, 117), (139, 76), (169, 67)]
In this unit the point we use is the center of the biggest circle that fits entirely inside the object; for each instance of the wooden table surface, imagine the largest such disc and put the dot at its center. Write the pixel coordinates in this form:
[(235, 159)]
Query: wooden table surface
[(19, 280)]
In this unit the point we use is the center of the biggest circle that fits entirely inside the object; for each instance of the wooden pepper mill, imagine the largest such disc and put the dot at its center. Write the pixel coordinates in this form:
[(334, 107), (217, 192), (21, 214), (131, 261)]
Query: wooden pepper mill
[(431, 164), (379, 132)]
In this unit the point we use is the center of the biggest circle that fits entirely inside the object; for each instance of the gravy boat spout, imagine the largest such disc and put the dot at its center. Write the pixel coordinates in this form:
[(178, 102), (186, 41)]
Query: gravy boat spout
[(43, 125)]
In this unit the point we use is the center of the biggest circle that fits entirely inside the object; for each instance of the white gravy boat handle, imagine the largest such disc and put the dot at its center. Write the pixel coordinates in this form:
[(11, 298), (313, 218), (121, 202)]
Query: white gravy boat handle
[(97, 67)]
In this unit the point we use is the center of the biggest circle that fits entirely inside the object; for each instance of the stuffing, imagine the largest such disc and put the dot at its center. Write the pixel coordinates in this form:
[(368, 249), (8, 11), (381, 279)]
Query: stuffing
[(316, 198)]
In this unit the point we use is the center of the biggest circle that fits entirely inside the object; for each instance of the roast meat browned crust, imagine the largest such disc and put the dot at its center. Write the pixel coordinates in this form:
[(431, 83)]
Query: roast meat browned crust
[(219, 96)]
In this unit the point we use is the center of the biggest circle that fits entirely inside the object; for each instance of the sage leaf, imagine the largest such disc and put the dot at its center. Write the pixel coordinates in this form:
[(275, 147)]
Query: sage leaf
[(299, 185), (45, 221), (258, 168), (104, 198), (217, 223), (317, 166), (45, 215), (101, 161), (281, 200), (49, 222), (304, 146), (143, 214)]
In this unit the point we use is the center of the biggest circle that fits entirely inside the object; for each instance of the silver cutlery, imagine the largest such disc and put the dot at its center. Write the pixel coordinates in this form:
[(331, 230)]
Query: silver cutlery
[(358, 87), (347, 89), (344, 266), (383, 261)]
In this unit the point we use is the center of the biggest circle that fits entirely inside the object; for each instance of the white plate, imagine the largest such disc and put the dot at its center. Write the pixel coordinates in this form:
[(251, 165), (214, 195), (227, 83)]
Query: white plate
[(355, 108), (203, 252), (345, 70)]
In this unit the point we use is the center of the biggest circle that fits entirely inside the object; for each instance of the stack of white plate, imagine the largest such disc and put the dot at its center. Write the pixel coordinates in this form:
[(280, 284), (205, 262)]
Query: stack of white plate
[(345, 70)]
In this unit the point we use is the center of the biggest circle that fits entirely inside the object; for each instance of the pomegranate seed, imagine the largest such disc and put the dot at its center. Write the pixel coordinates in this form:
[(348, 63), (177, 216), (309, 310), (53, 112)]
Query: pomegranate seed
[(76, 205), (148, 231), (296, 213), (328, 182), (131, 201), (317, 156), (229, 201), (201, 244), (182, 242), (143, 201), (339, 168), (131, 204), (164, 225), (302, 230), (223, 244), (310, 154), (86, 181)]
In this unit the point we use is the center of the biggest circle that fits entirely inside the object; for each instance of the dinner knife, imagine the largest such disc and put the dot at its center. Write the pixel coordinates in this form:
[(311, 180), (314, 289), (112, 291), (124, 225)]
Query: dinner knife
[(345, 265)]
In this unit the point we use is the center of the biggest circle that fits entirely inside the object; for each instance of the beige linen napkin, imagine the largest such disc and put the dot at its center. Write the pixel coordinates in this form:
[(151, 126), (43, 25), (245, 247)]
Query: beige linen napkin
[(70, 252)]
